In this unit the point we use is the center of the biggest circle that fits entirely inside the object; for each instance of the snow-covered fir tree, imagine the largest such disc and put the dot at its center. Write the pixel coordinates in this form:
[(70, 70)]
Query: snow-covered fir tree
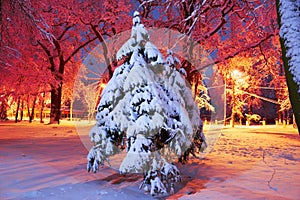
[(147, 110)]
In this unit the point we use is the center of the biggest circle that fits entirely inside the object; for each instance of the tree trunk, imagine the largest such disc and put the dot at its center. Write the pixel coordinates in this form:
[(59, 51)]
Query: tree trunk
[(56, 92), (90, 117), (22, 112), (28, 107), (31, 117), (17, 111), (71, 110), (42, 108), (3, 114), (55, 105), (187, 64), (250, 112), (286, 45)]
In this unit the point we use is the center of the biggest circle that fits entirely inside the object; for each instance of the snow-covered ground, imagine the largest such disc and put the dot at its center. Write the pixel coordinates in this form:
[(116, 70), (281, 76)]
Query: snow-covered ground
[(49, 162)]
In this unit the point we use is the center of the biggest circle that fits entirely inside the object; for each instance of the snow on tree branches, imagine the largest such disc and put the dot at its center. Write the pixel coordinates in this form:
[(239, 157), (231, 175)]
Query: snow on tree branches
[(290, 32), (147, 109)]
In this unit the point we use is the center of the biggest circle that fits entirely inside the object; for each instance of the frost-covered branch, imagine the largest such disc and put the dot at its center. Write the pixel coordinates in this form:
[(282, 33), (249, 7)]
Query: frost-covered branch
[(289, 31), (289, 22), (30, 12)]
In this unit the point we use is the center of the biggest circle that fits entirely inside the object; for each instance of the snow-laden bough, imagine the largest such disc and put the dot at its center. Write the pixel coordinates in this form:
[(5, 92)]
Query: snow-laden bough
[(147, 109)]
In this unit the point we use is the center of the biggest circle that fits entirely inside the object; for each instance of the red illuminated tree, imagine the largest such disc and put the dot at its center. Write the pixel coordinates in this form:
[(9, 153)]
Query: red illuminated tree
[(61, 32), (25, 73)]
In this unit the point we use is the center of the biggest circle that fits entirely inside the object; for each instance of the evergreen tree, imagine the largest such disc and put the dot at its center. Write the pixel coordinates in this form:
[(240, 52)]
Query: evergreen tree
[(146, 108)]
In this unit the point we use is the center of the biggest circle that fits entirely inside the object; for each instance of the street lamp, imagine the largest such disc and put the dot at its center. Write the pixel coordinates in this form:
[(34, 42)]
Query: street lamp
[(236, 74)]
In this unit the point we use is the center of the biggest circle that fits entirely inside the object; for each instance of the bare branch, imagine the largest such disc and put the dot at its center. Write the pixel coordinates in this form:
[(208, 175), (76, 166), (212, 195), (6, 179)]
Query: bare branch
[(64, 32), (233, 54), (48, 53), (78, 49)]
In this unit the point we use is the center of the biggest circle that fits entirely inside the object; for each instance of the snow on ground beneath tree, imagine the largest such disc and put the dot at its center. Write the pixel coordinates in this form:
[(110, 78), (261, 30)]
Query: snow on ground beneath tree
[(49, 162)]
